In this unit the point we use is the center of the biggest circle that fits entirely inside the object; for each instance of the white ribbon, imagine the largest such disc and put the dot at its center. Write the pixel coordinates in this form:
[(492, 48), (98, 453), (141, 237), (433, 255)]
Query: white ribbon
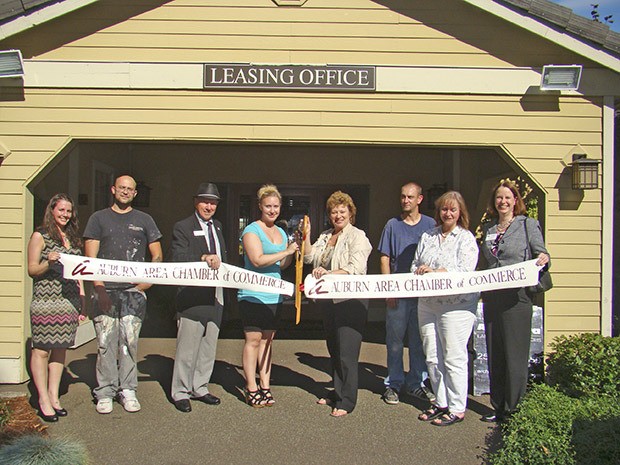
[(179, 274), (403, 285)]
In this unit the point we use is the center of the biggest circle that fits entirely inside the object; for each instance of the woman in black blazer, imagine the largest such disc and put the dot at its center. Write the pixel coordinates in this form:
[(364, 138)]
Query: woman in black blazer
[(508, 312)]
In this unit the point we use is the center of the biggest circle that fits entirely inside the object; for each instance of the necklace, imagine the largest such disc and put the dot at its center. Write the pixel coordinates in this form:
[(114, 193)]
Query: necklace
[(503, 226)]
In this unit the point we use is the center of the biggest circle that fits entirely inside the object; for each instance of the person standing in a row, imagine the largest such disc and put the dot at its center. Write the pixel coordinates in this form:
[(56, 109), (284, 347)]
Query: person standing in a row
[(265, 250), (56, 301), (120, 233), (342, 249), (511, 237), (397, 246), (198, 238), (446, 322)]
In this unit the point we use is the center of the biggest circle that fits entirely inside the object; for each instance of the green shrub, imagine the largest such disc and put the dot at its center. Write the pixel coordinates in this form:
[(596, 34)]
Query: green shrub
[(596, 431), (35, 449), (585, 365), (539, 432)]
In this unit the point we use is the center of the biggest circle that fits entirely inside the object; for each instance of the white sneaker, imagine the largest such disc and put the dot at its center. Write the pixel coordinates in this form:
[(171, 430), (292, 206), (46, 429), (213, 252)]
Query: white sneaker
[(127, 398), (104, 405)]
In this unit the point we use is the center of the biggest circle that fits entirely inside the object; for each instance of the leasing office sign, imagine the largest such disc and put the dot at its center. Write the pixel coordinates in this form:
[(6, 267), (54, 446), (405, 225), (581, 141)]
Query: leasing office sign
[(289, 77)]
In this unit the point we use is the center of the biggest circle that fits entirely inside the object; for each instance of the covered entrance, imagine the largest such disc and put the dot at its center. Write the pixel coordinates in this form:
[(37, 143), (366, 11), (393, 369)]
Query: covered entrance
[(306, 174)]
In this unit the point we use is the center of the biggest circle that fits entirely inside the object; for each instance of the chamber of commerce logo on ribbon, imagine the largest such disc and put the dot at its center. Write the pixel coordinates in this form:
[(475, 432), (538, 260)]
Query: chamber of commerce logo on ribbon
[(178, 274), (403, 285)]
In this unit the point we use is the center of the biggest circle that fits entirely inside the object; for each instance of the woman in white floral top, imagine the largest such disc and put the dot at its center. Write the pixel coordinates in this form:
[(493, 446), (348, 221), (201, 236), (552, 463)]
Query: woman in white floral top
[(446, 322)]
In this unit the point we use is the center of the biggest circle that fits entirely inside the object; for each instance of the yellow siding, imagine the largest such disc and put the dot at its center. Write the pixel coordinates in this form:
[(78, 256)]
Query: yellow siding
[(569, 237), (586, 265), (562, 324), (10, 319), (11, 201), (11, 334), (352, 32), (11, 287), (11, 304), (574, 309), (347, 31), (11, 258), (574, 222), (11, 349)]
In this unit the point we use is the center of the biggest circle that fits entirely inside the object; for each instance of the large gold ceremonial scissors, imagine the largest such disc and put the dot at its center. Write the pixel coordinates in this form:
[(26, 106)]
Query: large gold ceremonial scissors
[(300, 237)]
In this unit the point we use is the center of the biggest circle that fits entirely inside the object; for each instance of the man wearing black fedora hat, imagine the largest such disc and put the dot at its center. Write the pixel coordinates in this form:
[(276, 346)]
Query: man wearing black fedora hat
[(199, 309)]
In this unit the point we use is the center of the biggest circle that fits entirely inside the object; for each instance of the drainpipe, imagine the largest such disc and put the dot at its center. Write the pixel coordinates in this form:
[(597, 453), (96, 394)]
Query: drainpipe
[(608, 217)]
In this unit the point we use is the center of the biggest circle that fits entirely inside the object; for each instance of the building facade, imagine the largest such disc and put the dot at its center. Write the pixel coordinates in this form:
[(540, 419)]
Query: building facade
[(313, 95)]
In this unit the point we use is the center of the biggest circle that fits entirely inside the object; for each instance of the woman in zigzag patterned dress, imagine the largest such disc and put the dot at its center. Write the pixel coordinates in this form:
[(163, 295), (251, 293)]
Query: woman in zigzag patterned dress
[(54, 311)]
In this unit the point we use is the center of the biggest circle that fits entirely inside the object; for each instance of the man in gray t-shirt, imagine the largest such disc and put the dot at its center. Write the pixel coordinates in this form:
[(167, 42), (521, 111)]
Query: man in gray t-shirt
[(120, 233)]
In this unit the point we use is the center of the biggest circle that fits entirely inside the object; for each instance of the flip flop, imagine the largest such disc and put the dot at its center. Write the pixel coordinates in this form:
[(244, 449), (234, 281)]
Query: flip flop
[(338, 413)]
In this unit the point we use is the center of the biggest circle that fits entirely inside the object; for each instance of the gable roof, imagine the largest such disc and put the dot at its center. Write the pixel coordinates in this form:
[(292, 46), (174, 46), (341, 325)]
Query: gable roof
[(565, 19), (19, 15)]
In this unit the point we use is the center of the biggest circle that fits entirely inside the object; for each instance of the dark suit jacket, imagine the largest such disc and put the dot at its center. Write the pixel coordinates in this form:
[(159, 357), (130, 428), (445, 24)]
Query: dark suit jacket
[(187, 247)]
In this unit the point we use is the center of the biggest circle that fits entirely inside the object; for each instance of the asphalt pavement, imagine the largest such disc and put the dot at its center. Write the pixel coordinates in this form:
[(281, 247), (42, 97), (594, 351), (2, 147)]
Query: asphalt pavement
[(294, 431)]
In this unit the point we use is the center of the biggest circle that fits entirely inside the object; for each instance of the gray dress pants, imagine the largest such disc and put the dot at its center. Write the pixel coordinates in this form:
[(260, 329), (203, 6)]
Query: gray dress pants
[(195, 354)]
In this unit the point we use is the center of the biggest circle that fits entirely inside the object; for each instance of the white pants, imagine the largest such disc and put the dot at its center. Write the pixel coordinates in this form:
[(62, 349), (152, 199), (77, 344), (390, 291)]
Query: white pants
[(444, 338)]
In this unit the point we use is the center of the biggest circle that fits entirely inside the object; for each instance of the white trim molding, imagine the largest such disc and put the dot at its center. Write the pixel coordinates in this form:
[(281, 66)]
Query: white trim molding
[(412, 79), (607, 256)]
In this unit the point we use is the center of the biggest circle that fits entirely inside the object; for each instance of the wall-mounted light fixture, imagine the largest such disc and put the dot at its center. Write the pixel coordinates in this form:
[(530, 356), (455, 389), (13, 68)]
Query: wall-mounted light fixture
[(585, 172), (560, 77), (11, 64)]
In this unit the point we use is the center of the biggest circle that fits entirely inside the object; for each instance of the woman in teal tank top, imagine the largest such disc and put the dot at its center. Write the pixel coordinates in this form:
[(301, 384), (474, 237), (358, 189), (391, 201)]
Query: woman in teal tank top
[(266, 251)]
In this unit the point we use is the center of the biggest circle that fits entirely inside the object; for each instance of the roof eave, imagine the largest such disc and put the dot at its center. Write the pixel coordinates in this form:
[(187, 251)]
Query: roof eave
[(39, 16), (563, 39)]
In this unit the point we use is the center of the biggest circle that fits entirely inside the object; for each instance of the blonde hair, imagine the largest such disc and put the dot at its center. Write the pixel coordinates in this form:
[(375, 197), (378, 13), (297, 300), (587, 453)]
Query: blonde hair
[(457, 198), (268, 190), (341, 198)]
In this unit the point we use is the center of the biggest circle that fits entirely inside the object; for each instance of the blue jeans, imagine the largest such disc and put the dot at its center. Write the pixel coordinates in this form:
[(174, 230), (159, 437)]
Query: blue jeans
[(400, 322)]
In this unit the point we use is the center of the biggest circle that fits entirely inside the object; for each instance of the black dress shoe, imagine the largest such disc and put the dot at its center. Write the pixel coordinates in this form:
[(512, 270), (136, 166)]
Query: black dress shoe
[(208, 399), (61, 412), (183, 405), (48, 418), (492, 418)]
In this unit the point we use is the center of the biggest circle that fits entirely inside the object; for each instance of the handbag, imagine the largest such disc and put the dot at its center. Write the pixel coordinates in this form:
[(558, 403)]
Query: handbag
[(544, 276), (85, 333)]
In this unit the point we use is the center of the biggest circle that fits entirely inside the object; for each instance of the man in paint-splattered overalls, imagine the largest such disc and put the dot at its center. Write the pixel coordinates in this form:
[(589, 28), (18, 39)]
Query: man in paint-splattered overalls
[(120, 233)]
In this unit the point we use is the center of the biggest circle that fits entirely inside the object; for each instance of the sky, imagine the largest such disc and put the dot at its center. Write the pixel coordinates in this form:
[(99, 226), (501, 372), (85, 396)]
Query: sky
[(605, 8)]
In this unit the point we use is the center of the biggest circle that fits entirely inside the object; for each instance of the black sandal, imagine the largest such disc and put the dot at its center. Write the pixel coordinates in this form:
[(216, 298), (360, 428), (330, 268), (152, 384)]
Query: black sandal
[(267, 397), (447, 420), (254, 398), (432, 413)]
